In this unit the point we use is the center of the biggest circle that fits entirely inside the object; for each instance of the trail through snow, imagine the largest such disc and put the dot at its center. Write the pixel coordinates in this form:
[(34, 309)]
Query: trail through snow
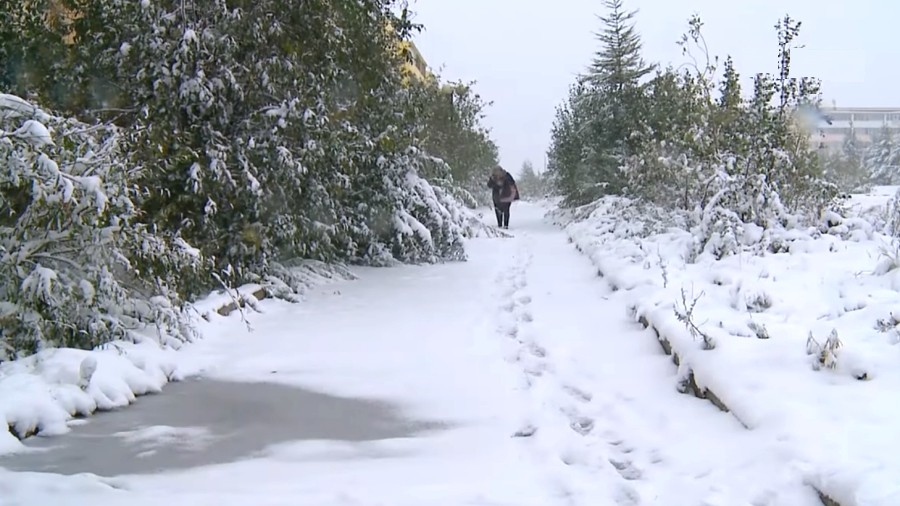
[(545, 391), (593, 370)]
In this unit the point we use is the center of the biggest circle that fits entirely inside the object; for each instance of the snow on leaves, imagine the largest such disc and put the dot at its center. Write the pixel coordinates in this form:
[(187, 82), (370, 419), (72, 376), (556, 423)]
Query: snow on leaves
[(70, 261), (248, 136)]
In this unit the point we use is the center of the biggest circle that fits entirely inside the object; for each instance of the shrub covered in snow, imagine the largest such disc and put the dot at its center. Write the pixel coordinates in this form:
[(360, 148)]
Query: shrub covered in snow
[(429, 217), (741, 166), (248, 137), (450, 118), (266, 131), (736, 167), (77, 267), (804, 331), (859, 166)]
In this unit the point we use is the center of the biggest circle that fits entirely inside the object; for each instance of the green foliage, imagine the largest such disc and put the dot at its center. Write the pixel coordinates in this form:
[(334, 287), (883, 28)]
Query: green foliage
[(532, 186), (77, 267), (847, 168), (261, 132), (881, 159), (566, 163), (451, 115), (686, 142), (33, 51), (591, 135)]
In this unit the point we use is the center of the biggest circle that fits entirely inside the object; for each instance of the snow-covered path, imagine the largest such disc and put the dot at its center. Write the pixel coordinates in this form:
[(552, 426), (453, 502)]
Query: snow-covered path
[(548, 393), (606, 396)]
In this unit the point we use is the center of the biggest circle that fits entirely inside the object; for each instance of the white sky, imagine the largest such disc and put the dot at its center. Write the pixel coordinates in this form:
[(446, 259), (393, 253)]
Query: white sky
[(525, 53)]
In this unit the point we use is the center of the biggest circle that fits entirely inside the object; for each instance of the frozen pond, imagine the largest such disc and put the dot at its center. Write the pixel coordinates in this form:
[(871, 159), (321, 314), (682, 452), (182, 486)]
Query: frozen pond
[(200, 422)]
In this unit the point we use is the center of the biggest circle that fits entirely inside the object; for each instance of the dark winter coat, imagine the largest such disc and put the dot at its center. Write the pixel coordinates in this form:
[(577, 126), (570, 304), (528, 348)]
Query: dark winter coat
[(505, 190)]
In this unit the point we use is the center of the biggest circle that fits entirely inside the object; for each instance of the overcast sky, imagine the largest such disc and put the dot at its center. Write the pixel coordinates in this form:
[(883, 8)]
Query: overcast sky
[(525, 53)]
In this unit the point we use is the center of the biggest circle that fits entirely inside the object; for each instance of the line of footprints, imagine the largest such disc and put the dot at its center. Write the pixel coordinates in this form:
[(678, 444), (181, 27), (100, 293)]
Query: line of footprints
[(515, 317)]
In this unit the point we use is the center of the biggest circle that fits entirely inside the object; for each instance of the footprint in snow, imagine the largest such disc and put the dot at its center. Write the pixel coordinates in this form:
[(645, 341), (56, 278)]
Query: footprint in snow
[(512, 354), (626, 469), (619, 444), (536, 369), (526, 431), (627, 496), (582, 425), (537, 350), (578, 393)]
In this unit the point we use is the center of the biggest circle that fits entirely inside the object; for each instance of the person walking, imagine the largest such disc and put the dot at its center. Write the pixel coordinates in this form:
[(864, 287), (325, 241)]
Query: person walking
[(504, 192)]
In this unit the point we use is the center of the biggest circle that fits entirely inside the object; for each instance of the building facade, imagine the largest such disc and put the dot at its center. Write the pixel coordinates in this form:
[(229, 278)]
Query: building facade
[(834, 124), (415, 66)]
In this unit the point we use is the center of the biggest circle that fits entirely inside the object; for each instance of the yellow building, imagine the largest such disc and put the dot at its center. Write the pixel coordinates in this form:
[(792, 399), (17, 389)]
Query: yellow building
[(58, 17), (415, 66)]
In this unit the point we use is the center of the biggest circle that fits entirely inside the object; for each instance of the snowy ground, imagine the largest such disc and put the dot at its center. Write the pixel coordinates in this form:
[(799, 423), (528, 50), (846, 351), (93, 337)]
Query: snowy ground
[(44, 391), (876, 199), (837, 424), (549, 393)]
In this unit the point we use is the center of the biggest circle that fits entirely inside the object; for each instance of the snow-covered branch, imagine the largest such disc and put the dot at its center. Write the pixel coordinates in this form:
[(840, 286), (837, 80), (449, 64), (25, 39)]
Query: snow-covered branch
[(62, 270)]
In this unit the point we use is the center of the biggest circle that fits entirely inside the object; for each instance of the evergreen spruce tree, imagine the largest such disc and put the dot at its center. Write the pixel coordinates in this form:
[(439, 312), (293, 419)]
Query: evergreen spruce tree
[(569, 143), (609, 98), (615, 75), (618, 66), (530, 184), (882, 158)]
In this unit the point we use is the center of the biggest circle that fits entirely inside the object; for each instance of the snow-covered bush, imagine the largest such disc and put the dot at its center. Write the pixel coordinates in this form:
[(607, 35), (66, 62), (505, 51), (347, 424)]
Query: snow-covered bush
[(428, 223), (77, 268), (270, 131), (824, 354), (450, 116), (739, 167), (742, 168), (891, 216)]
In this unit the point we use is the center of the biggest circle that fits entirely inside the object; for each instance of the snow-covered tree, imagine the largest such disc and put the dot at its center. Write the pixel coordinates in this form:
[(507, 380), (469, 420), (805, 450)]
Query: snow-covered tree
[(268, 128), (728, 161), (673, 160), (568, 143), (594, 131), (77, 266), (451, 118), (532, 186), (882, 158), (618, 67), (848, 168), (261, 132)]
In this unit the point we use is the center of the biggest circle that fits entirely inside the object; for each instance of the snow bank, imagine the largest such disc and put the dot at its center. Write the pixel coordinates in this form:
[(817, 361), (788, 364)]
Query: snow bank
[(43, 393), (875, 199), (802, 343)]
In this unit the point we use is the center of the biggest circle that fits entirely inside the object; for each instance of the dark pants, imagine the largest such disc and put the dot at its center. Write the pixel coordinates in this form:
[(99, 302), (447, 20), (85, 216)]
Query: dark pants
[(501, 209)]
